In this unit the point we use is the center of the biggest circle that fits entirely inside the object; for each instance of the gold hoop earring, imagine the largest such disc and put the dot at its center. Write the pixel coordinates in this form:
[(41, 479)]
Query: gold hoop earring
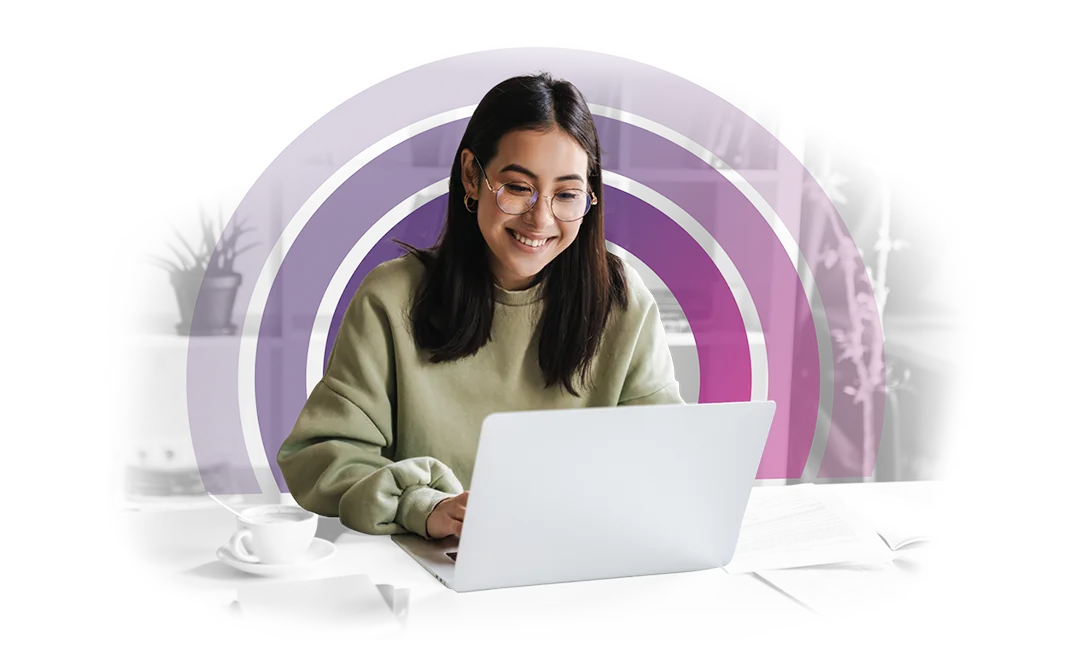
[(466, 202)]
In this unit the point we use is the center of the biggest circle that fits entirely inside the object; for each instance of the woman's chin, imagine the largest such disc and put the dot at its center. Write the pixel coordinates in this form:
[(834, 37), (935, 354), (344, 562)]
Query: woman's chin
[(521, 266)]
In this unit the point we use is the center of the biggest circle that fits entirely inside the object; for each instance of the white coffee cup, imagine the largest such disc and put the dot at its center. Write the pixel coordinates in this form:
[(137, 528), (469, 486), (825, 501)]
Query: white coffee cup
[(273, 534)]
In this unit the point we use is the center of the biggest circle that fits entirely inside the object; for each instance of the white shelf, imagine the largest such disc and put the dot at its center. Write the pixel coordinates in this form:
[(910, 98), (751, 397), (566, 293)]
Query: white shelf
[(680, 339), (687, 339), (182, 342), (176, 502), (159, 329), (646, 176)]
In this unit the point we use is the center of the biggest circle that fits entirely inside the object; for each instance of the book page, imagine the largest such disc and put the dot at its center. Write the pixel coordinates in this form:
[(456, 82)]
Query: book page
[(901, 513), (801, 525)]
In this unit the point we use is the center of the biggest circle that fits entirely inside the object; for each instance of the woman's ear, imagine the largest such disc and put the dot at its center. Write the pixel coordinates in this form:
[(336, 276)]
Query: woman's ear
[(469, 180)]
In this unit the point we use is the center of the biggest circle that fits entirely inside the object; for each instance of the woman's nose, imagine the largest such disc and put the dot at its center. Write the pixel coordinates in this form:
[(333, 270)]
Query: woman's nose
[(540, 215)]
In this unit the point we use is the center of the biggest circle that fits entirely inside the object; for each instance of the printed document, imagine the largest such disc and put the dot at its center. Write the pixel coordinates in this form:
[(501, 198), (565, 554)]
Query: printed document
[(801, 525)]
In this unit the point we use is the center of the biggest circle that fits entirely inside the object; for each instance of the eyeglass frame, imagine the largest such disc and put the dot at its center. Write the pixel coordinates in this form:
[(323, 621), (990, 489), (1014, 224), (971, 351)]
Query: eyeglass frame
[(537, 195)]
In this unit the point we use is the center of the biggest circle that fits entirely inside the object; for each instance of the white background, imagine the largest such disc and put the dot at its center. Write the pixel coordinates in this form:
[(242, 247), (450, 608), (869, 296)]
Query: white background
[(118, 119)]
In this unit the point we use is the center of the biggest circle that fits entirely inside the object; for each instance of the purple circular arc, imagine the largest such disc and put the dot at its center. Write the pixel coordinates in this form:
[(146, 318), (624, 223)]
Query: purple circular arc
[(359, 202), (639, 228), (650, 235), (213, 396)]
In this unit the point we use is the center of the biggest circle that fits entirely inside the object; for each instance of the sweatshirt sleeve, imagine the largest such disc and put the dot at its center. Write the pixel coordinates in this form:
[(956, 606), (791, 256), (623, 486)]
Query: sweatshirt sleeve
[(333, 460), (651, 376)]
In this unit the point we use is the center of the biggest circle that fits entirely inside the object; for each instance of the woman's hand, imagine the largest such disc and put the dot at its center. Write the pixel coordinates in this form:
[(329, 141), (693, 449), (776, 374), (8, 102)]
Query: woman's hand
[(447, 517)]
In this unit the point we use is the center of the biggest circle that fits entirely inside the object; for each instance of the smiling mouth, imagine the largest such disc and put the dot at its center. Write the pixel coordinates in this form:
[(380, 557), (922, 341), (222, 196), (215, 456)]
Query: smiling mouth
[(535, 244)]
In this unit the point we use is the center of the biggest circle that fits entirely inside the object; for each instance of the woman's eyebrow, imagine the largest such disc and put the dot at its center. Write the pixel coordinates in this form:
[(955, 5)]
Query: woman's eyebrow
[(525, 171)]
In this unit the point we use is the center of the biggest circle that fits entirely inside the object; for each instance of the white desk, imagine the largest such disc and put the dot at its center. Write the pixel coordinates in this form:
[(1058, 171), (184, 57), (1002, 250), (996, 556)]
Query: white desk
[(180, 545)]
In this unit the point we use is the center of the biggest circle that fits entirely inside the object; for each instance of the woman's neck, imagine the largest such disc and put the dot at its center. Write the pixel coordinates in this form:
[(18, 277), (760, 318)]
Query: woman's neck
[(517, 285), (513, 283)]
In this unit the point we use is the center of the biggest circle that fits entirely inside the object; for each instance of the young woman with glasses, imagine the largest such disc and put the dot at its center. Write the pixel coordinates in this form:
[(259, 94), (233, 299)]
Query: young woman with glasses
[(518, 306)]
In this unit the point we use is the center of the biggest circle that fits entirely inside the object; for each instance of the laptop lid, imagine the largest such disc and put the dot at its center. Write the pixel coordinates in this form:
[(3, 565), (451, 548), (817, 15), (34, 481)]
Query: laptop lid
[(582, 494)]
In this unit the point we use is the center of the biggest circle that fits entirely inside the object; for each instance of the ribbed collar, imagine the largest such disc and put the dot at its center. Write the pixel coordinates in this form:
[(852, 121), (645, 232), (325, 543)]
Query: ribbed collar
[(526, 296)]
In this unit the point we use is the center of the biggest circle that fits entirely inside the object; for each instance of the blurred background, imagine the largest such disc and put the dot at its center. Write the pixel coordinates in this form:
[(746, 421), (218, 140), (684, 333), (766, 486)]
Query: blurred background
[(900, 255)]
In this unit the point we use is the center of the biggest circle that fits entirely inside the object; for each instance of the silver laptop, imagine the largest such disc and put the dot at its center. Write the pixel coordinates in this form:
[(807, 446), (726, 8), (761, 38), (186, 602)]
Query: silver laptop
[(595, 493)]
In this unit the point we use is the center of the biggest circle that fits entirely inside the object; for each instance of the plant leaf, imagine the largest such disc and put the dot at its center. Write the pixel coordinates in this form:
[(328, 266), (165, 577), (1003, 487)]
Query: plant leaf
[(236, 232), (830, 258), (180, 256), (195, 256), (853, 351), (208, 234), (848, 251), (240, 221), (159, 261), (169, 270), (210, 240), (241, 250)]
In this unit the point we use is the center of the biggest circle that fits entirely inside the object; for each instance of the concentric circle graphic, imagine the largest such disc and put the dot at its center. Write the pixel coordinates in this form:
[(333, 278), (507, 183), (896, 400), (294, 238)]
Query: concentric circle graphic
[(344, 188)]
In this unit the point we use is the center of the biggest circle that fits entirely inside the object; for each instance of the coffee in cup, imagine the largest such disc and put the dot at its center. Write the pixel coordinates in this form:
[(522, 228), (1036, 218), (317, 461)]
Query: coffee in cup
[(273, 534)]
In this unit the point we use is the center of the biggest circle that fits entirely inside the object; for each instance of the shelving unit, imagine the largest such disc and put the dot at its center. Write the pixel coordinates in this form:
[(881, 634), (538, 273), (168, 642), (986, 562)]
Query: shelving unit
[(783, 186), (675, 339)]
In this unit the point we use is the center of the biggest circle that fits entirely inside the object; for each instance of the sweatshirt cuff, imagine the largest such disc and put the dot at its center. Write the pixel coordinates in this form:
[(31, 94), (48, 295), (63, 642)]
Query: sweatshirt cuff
[(415, 505)]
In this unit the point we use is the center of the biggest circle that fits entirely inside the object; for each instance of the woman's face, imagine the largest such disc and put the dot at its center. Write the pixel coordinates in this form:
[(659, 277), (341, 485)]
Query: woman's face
[(552, 162)]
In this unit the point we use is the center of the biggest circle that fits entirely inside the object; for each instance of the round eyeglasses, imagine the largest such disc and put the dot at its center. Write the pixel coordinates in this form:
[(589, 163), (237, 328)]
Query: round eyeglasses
[(567, 205)]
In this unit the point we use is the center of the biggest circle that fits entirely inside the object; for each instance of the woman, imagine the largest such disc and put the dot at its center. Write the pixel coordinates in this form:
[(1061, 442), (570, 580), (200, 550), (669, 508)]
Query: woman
[(517, 307)]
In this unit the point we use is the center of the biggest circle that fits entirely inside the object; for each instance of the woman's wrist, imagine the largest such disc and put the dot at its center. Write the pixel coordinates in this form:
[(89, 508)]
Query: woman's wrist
[(415, 506)]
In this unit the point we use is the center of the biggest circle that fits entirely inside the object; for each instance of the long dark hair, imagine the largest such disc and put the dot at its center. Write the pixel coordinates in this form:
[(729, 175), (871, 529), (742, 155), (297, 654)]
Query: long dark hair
[(453, 305)]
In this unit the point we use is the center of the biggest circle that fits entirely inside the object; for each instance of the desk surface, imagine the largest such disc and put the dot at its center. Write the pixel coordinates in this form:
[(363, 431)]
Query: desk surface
[(180, 546)]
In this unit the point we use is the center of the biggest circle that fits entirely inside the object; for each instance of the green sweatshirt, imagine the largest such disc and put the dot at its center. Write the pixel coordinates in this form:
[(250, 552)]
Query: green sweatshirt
[(386, 435)]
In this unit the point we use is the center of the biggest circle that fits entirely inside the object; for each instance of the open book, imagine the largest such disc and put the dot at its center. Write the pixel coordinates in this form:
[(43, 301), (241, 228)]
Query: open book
[(900, 520), (804, 525)]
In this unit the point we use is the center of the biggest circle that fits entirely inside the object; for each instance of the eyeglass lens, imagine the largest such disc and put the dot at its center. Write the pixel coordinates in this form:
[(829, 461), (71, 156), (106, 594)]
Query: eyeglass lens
[(566, 205)]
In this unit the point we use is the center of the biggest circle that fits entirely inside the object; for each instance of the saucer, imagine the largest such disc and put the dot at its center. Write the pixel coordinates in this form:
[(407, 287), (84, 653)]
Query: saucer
[(318, 551)]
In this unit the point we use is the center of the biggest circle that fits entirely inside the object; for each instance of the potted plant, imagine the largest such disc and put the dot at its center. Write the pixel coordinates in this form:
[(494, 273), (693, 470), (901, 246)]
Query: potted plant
[(209, 271), (874, 371)]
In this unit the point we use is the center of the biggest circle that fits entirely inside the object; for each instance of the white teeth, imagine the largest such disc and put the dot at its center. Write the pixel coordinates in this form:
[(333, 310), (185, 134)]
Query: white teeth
[(529, 242)]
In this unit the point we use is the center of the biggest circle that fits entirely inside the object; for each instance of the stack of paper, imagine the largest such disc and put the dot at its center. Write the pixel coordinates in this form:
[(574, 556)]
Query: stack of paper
[(801, 525), (832, 557)]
